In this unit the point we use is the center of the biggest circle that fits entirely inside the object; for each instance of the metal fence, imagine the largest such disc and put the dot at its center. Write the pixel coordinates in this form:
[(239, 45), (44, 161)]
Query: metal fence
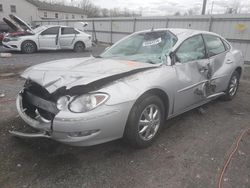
[(235, 28)]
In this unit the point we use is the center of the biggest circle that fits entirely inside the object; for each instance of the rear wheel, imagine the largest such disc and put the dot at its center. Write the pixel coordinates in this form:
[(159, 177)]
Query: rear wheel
[(79, 47), (28, 47), (145, 121), (232, 87)]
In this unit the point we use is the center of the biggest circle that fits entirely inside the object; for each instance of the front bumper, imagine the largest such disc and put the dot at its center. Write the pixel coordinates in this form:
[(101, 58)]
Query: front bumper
[(88, 44), (101, 125), (12, 45)]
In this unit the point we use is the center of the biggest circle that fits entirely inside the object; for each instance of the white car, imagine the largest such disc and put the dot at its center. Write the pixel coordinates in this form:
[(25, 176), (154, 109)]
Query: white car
[(47, 38)]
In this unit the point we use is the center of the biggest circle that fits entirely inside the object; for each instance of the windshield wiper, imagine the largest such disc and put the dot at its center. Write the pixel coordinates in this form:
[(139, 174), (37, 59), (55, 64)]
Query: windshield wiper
[(150, 61), (98, 56)]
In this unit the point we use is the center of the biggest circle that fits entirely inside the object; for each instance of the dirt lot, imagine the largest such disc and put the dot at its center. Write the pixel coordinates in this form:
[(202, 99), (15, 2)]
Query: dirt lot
[(189, 153)]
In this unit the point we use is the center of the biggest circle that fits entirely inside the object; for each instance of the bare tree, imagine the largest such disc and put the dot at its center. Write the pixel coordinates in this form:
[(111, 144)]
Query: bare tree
[(91, 10), (177, 13), (105, 12)]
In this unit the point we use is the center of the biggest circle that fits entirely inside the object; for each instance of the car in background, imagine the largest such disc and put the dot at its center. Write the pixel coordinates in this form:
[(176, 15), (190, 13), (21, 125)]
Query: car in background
[(130, 89), (14, 27), (50, 37)]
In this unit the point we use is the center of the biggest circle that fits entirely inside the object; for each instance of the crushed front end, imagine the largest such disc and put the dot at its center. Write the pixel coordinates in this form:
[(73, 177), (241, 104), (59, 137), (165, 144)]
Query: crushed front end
[(37, 107)]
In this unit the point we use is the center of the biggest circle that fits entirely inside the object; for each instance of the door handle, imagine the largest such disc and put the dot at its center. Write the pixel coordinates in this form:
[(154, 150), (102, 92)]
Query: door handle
[(203, 69), (229, 61)]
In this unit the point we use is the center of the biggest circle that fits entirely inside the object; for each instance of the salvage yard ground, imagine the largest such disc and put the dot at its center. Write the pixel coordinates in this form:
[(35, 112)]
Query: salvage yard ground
[(189, 153)]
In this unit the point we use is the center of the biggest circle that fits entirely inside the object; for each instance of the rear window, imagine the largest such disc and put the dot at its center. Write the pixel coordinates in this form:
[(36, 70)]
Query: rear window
[(214, 45)]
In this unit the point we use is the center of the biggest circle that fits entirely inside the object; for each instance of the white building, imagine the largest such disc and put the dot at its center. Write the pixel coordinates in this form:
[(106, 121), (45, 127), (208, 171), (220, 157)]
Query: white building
[(30, 10)]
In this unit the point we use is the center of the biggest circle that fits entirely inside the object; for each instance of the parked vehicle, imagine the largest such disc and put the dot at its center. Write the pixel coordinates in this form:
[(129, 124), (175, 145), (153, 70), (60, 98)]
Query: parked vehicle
[(129, 90), (46, 38), (16, 27)]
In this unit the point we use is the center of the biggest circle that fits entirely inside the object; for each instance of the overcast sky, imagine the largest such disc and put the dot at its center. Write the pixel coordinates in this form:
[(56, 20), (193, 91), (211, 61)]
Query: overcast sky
[(169, 7)]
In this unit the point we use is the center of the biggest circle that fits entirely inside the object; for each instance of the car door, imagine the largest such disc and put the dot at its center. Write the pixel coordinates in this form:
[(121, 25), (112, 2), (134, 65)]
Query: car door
[(48, 39), (67, 37), (192, 72), (217, 51)]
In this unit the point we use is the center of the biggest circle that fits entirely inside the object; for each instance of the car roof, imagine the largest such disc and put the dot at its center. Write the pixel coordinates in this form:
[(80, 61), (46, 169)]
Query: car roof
[(56, 26), (180, 33)]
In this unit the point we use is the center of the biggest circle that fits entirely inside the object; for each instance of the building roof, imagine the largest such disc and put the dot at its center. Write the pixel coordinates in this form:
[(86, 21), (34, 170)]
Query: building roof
[(56, 7)]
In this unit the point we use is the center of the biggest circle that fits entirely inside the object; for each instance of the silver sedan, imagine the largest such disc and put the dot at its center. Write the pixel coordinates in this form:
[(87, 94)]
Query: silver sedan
[(130, 89)]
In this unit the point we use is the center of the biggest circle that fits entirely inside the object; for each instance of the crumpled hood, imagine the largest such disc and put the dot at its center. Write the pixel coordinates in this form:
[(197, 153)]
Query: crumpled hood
[(78, 71)]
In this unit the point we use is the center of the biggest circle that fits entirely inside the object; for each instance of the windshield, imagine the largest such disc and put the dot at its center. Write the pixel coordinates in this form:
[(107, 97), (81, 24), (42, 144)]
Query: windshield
[(149, 47), (38, 29)]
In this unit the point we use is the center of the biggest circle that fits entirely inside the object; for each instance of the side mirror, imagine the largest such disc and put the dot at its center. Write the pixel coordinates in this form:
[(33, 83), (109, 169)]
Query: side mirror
[(171, 59), (168, 60)]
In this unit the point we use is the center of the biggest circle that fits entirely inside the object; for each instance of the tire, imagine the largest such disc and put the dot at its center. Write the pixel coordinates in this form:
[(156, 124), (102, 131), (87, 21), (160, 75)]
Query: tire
[(79, 47), (232, 87), (141, 135), (28, 47)]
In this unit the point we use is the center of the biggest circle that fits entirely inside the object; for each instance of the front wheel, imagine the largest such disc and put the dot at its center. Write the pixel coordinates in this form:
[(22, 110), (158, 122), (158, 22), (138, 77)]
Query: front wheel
[(145, 121), (28, 47), (232, 87)]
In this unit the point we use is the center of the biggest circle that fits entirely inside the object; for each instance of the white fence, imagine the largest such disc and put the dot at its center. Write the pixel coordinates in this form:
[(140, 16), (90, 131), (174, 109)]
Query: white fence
[(235, 28)]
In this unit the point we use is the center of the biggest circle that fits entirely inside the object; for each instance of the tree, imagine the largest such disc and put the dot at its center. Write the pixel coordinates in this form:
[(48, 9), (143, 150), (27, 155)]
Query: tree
[(177, 13)]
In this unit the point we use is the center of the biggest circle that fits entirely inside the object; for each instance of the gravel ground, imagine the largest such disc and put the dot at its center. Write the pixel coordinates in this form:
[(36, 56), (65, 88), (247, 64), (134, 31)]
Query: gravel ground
[(19, 61), (189, 153)]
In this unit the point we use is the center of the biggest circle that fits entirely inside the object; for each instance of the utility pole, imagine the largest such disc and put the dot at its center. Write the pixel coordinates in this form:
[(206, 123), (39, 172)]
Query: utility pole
[(212, 8), (204, 7)]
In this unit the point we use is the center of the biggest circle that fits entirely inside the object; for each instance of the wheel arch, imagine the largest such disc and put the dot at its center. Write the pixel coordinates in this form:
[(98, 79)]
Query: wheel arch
[(77, 41), (29, 40), (239, 70), (162, 95)]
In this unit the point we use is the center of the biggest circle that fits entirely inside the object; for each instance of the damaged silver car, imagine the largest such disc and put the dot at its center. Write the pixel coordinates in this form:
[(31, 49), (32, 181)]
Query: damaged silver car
[(130, 89)]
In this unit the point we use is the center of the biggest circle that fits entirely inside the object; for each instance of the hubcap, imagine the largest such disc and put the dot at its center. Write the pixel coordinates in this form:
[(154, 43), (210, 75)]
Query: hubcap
[(28, 47), (79, 47), (149, 122), (233, 86)]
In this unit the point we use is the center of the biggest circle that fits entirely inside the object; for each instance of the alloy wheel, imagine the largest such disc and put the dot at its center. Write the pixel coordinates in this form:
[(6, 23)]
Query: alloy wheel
[(149, 122), (233, 86)]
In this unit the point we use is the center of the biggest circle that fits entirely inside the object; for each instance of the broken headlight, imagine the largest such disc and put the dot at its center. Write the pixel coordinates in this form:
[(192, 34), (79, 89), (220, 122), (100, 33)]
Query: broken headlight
[(13, 39), (62, 102), (87, 102)]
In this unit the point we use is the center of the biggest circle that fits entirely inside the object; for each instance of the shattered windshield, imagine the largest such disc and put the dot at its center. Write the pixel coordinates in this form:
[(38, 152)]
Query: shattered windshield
[(149, 47)]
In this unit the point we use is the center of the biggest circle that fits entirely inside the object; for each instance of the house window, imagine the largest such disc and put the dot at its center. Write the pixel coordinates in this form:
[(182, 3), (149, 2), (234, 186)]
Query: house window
[(13, 8), (82, 16), (45, 14), (73, 16), (1, 8), (67, 16), (56, 15)]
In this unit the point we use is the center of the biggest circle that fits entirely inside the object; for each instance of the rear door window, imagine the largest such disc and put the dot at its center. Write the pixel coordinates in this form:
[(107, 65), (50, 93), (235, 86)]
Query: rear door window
[(68, 31), (214, 45)]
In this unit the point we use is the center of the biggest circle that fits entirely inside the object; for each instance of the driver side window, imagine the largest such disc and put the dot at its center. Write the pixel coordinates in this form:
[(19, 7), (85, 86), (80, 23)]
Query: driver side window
[(51, 31), (191, 49)]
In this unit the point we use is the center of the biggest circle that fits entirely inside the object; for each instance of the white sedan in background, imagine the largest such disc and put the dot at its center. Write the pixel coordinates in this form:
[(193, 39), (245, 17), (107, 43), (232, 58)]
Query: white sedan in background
[(49, 38)]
